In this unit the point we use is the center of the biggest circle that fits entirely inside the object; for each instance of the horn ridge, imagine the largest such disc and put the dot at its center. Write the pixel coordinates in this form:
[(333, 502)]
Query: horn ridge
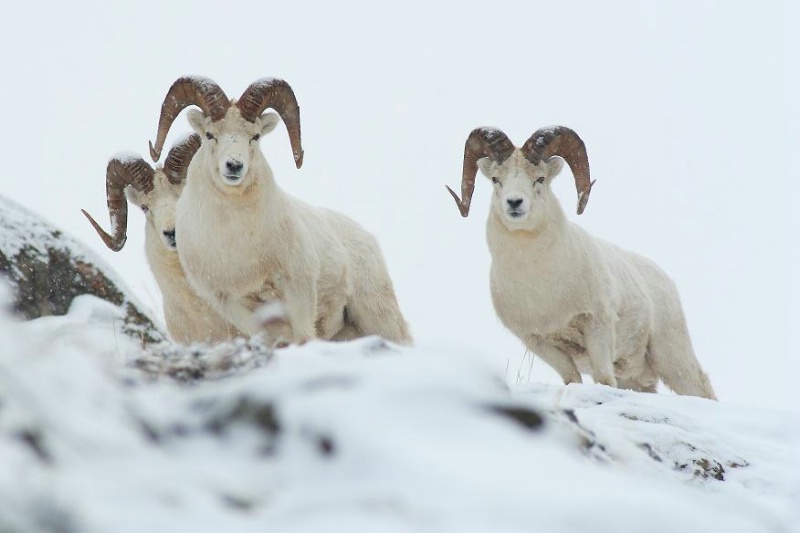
[(563, 142), (481, 142), (185, 91)]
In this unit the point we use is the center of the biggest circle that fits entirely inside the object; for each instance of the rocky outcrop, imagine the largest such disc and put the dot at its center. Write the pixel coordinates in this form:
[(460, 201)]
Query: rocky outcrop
[(48, 269)]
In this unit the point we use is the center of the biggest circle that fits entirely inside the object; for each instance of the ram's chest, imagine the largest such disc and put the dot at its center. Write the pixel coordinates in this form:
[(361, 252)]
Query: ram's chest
[(534, 289), (228, 248), (526, 306)]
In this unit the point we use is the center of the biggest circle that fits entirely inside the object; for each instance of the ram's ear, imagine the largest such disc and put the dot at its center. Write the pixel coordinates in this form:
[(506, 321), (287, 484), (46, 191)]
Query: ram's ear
[(485, 165), (554, 166), (135, 197), (198, 121), (268, 122)]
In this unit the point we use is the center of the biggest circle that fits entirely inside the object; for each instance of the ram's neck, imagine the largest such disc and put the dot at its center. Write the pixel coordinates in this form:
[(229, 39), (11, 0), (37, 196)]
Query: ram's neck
[(259, 197)]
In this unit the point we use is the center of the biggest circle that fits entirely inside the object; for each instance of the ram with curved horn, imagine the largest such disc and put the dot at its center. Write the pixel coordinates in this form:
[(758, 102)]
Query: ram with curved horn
[(189, 318), (580, 303), (319, 273)]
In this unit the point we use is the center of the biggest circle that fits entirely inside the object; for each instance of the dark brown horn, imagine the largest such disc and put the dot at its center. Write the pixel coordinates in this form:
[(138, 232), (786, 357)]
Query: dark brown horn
[(119, 174), (277, 94), (186, 91), (177, 162), (564, 142), (482, 142)]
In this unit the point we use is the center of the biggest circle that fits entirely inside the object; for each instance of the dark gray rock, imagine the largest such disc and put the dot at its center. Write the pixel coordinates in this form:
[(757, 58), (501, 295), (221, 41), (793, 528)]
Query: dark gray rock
[(48, 269)]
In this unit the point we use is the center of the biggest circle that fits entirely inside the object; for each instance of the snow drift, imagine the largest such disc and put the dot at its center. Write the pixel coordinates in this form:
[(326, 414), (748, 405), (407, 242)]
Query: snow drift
[(98, 434)]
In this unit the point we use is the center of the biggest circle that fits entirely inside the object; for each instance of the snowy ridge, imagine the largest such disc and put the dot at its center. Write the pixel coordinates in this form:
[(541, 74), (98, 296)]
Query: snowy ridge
[(359, 436)]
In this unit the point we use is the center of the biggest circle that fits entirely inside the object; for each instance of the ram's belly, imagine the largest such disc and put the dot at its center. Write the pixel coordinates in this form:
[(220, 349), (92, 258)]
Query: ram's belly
[(553, 325)]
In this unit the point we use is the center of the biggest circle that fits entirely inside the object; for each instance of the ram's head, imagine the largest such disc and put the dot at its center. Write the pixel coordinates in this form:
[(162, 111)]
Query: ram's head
[(230, 129), (155, 191), (521, 176)]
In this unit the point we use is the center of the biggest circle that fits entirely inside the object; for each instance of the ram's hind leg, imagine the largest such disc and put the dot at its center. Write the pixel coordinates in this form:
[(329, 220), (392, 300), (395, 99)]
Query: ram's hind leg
[(373, 307), (671, 355), (331, 315), (377, 313), (348, 332)]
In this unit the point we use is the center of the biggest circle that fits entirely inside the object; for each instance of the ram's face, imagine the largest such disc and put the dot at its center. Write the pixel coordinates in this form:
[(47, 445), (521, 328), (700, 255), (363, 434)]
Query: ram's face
[(520, 188), (158, 207), (230, 144)]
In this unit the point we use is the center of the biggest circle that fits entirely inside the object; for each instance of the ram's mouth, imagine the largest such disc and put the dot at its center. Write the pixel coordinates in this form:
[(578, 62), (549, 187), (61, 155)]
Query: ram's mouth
[(516, 214), (233, 179)]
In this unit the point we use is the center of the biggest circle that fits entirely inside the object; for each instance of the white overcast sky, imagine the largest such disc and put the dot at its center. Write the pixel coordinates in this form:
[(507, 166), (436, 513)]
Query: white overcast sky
[(689, 110)]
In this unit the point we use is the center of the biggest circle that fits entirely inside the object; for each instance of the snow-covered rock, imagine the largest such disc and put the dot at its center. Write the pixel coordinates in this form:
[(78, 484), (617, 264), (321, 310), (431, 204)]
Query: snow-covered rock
[(48, 269)]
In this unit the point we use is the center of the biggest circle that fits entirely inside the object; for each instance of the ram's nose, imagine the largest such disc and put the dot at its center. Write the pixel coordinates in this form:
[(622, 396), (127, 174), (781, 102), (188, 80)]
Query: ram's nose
[(232, 169), (514, 203), (234, 166)]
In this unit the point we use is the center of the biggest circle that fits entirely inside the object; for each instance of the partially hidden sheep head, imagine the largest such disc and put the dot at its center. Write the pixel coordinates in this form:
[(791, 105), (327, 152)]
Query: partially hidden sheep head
[(154, 190)]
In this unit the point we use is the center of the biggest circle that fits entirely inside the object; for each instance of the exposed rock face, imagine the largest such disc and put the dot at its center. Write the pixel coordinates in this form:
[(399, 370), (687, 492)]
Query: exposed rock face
[(47, 270)]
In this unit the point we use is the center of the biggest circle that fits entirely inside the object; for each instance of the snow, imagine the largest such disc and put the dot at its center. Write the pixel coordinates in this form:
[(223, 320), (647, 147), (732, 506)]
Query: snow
[(183, 138), (126, 156), (266, 80), (96, 435), (21, 229)]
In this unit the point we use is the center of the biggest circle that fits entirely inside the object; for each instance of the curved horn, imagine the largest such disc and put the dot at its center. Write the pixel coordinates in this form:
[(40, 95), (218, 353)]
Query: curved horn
[(277, 94), (564, 142), (119, 174), (177, 162), (482, 142), (186, 91)]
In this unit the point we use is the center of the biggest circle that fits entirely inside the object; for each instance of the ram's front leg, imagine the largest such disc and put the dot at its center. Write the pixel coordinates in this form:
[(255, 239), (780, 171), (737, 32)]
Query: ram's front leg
[(600, 345), (557, 359), (241, 312), (298, 306)]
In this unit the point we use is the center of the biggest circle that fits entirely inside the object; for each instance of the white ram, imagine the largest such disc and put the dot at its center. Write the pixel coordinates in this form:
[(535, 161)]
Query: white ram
[(245, 243), (189, 318), (580, 303)]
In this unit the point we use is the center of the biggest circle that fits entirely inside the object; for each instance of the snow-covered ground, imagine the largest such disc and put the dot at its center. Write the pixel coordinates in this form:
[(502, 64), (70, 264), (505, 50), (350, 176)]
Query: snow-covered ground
[(97, 436)]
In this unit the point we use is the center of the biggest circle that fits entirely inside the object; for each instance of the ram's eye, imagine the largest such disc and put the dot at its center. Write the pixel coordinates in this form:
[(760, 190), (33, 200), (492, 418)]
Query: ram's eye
[(145, 209), (495, 180), (540, 180), (256, 137), (209, 136)]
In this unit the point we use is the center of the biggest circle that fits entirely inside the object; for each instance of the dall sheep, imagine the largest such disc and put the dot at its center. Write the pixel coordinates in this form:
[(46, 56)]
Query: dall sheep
[(245, 243), (580, 303), (189, 318)]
